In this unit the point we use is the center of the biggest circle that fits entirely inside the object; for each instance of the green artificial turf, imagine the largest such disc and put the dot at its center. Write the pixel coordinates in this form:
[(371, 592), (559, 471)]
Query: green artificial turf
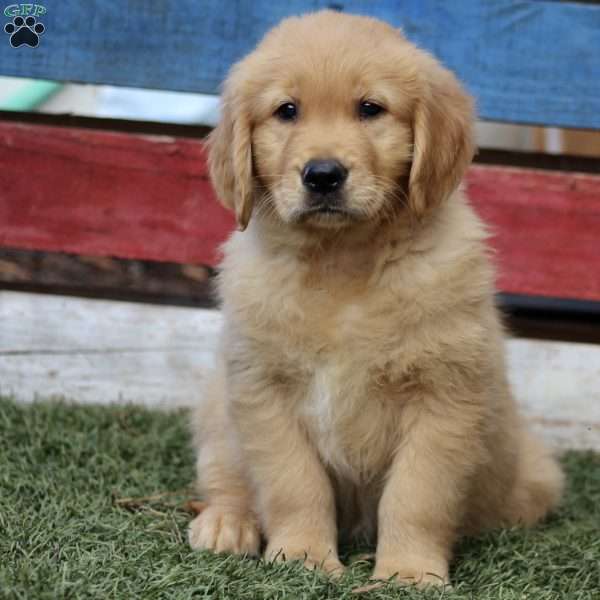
[(68, 530)]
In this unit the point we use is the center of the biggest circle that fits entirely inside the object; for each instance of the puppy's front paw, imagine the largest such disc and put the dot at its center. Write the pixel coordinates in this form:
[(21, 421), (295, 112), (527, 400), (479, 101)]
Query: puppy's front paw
[(224, 530), (413, 572), (313, 556)]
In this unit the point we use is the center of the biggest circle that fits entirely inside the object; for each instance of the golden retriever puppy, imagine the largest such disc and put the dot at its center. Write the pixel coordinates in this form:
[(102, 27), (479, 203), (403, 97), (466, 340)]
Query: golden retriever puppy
[(361, 384)]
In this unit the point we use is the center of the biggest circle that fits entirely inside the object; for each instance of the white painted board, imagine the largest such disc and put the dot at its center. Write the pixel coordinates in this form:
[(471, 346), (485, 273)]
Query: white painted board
[(98, 351)]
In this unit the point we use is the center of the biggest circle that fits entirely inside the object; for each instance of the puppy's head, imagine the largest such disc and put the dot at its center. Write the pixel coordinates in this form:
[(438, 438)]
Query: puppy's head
[(336, 120)]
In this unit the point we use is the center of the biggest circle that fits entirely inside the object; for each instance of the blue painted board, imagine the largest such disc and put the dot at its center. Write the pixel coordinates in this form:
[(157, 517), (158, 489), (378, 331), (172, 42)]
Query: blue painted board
[(530, 61)]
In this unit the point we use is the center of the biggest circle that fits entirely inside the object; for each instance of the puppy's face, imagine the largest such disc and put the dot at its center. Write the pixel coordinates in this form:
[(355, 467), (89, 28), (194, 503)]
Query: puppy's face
[(336, 120), (332, 134)]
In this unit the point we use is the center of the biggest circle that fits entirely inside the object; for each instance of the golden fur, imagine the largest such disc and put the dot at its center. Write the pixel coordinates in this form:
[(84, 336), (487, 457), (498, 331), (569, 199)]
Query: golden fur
[(361, 386)]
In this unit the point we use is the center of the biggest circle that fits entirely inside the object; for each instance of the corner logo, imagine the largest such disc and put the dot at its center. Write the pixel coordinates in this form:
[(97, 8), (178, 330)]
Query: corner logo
[(25, 29)]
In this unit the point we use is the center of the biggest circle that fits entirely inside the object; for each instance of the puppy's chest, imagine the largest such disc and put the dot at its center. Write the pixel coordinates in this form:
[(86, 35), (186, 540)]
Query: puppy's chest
[(352, 428), (325, 319)]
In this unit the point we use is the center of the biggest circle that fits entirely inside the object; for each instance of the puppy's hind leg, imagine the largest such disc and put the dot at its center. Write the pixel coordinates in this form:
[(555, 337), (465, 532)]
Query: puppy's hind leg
[(228, 523), (539, 483)]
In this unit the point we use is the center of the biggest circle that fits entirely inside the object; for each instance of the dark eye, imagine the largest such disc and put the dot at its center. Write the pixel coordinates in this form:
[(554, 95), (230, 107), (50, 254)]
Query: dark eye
[(368, 110), (287, 111)]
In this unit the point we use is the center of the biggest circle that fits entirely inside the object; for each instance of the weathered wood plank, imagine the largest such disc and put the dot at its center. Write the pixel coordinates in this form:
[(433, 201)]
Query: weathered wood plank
[(133, 196), (545, 226), (533, 61), (556, 384), (109, 277), (108, 194), (94, 351)]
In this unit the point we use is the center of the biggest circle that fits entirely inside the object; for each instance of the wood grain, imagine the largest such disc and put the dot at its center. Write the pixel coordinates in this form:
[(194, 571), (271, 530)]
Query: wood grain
[(134, 196), (546, 229), (108, 194), (97, 351), (108, 277), (528, 61)]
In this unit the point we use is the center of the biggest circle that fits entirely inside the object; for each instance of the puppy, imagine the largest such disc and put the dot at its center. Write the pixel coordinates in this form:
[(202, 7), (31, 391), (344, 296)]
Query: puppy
[(361, 384)]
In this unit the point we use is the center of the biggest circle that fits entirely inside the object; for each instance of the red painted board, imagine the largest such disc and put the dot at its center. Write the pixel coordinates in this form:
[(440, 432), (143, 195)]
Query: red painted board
[(546, 227), (133, 196), (105, 193)]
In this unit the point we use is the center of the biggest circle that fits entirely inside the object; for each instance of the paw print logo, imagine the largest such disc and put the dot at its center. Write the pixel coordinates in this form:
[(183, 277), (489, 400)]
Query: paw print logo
[(24, 32)]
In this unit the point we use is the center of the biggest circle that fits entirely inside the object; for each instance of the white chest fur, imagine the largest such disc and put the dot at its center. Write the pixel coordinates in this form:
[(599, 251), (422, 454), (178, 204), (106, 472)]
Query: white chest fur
[(328, 412)]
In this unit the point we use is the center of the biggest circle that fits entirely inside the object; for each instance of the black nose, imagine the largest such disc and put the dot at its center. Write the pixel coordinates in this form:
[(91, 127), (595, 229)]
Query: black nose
[(323, 176)]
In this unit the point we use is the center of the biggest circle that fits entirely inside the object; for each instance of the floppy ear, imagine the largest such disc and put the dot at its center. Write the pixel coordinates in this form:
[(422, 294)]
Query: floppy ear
[(230, 156), (442, 138)]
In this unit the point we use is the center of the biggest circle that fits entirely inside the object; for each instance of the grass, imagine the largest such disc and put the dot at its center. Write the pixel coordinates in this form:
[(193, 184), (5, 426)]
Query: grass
[(72, 524)]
